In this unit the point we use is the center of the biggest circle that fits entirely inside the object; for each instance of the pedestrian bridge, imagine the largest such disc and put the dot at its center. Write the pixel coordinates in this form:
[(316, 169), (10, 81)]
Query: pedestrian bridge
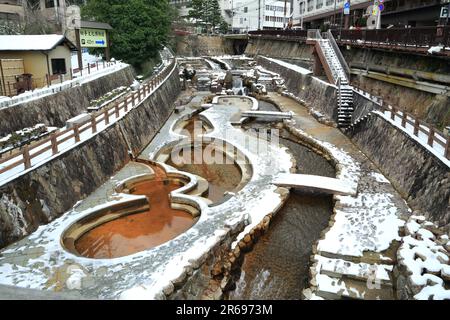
[(267, 114), (314, 183), (243, 36)]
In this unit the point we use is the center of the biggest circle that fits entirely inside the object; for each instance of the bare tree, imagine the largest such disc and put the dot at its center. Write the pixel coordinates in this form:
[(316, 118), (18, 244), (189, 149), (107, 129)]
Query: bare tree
[(34, 20)]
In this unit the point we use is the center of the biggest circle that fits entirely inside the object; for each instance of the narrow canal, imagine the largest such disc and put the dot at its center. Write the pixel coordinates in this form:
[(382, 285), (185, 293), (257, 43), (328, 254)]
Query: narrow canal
[(277, 267)]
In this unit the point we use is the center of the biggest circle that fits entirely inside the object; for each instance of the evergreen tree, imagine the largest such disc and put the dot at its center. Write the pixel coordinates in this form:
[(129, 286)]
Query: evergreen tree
[(215, 16), (206, 12), (198, 10), (140, 27)]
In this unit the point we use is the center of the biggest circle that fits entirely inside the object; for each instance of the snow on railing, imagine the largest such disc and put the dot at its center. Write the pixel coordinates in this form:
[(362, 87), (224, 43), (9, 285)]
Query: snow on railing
[(430, 137), (62, 140), (38, 93), (338, 53)]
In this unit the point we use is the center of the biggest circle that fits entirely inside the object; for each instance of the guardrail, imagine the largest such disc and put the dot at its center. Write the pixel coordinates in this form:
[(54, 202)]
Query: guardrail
[(404, 37), (92, 66), (300, 34), (420, 38), (65, 138), (58, 87), (430, 135), (314, 34)]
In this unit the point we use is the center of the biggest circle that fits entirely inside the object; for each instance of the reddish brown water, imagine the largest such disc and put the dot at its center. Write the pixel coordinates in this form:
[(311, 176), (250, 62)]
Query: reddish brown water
[(221, 177), (141, 231), (195, 124)]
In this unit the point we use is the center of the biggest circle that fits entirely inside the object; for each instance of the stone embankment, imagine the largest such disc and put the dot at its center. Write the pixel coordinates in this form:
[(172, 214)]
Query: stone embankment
[(44, 194), (418, 175), (197, 46), (53, 110), (357, 252)]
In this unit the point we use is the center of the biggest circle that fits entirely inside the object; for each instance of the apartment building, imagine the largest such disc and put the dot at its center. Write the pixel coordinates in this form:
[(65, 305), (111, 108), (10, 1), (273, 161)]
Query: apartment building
[(251, 15), (11, 11), (54, 11), (415, 13)]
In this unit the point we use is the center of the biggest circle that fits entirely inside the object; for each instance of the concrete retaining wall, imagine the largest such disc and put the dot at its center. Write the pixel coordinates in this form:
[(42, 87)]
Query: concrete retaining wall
[(53, 110), (421, 178), (418, 175), (362, 107), (196, 46), (47, 192), (316, 93), (290, 50)]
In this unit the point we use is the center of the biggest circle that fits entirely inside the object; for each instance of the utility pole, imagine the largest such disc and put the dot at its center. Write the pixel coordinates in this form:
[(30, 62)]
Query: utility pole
[(259, 15), (274, 17), (302, 8), (347, 16), (334, 12), (285, 11), (376, 7), (448, 13), (55, 4)]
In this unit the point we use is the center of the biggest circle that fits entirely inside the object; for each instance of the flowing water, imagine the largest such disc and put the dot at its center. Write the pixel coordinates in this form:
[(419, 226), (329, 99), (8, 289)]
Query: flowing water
[(222, 177), (238, 87), (277, 267)]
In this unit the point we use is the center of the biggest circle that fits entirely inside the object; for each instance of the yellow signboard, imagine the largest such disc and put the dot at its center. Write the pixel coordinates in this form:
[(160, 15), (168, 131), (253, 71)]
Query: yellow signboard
[(93, 38)]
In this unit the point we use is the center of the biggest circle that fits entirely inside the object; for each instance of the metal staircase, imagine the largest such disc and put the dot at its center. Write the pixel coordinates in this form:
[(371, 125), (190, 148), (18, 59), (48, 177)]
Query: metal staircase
[(337, 72)]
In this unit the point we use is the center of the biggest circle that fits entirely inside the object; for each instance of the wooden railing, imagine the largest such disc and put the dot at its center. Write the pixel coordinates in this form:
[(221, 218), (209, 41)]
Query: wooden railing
[(103, 117), (91, 67), (293, 35), (434, 137), (404, 37)]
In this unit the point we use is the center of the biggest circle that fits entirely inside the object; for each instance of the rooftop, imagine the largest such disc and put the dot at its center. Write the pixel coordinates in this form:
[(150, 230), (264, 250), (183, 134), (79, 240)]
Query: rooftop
[(32, 42), (95, 25)]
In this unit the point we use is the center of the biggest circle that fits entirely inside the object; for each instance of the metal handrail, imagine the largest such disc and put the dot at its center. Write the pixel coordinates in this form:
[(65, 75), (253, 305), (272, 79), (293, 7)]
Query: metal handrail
[(314, 34), (31, 151), (338, 52)]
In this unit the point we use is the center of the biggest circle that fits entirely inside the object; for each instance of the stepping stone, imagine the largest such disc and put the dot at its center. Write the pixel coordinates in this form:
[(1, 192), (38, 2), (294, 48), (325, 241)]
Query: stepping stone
[(357, 271), (334, 288)]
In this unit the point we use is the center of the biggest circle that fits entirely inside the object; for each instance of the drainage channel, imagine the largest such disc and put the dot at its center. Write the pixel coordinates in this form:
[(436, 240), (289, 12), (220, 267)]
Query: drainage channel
[(277, 267)]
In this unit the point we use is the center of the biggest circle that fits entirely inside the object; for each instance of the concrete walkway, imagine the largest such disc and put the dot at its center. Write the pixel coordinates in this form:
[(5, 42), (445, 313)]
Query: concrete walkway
[(356, 255)]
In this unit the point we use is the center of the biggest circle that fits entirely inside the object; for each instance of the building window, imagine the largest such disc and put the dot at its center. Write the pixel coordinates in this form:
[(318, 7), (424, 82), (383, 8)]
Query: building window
[(319, 4), (59, 66), (51, 3), (245, 9)]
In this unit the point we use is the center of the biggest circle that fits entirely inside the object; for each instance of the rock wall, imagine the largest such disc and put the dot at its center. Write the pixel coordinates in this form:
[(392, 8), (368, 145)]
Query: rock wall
[(432, 108), (44, 194), (197, 45), (421, 178), (291, 50), (316, 93), (362, 107), (394, 59), (53, 110)]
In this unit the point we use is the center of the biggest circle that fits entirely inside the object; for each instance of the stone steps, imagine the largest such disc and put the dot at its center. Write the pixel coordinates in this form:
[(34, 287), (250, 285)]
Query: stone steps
[(345, 94), (340, 288), (335, 279)]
